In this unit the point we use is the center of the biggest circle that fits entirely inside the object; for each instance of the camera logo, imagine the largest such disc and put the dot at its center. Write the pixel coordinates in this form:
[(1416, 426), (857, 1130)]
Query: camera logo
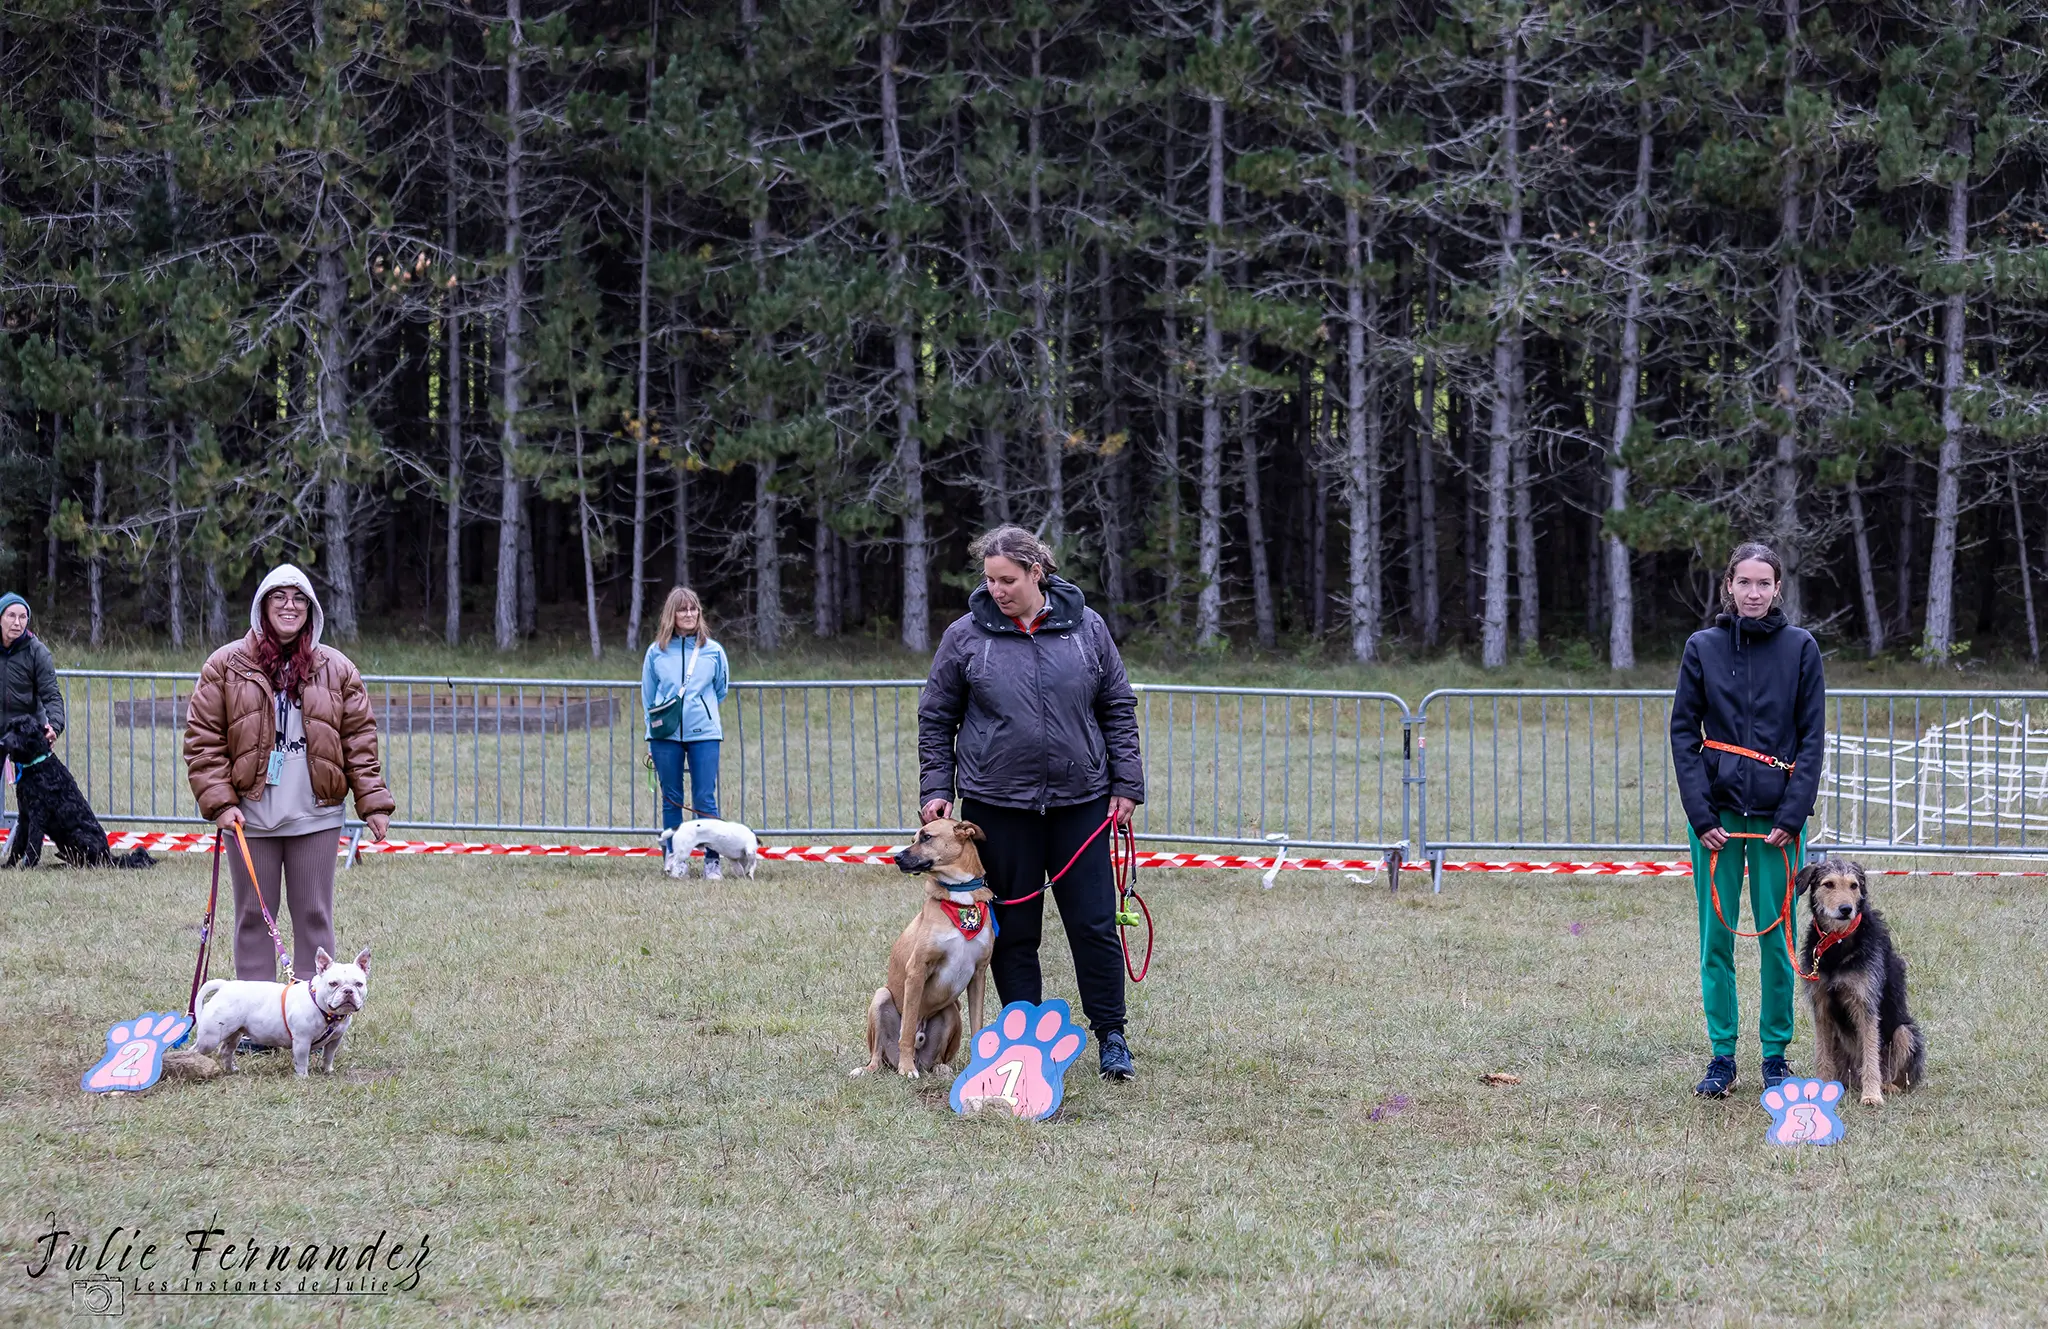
[(96, 1296)]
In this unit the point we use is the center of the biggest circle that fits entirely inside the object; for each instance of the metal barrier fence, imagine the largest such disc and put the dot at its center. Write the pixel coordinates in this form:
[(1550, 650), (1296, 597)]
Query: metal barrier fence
[(1469, 769)]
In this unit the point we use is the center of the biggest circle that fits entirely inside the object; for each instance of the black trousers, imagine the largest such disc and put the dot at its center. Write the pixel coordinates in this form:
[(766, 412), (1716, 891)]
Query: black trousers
[(1023, 848)]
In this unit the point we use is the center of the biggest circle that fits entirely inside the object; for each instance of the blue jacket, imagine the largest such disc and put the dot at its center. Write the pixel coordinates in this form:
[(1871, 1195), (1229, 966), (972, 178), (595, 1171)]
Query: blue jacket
[(663, 675), (1755, 683)]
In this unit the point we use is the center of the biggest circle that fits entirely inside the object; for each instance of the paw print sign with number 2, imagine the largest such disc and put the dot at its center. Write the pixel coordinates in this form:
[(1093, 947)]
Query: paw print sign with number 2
[(135, 1054), (1803, 1112), (1019, 1063)]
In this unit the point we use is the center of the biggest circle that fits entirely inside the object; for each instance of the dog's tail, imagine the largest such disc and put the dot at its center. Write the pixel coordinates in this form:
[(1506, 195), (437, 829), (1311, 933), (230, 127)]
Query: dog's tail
[(138, 858), (206, 991)]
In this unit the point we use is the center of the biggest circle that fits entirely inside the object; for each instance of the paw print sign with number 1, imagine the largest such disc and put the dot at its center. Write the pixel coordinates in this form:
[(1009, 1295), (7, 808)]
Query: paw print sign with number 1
[(135, 1054), (1803, 1112), (1020, 1062)]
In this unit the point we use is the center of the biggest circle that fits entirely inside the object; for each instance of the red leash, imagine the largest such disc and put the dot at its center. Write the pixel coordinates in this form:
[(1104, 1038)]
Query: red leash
[(1784, 918), (1124, 866), (205, 937)]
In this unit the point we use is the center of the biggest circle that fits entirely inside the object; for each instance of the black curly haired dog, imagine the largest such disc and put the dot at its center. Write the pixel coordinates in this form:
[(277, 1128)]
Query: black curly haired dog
[(51, 804), (1863, 1035)]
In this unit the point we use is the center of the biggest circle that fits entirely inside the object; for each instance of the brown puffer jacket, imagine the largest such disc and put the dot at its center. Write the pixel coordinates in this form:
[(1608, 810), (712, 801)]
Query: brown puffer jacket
[(231, 728)]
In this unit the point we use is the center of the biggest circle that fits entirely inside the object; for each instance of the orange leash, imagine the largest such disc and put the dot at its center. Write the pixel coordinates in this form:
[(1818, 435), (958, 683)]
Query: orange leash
[(1784, 918), (1775, 763)]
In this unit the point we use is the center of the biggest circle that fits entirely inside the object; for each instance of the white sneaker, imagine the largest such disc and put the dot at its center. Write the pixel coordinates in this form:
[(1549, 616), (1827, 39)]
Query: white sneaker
[(713, 870)]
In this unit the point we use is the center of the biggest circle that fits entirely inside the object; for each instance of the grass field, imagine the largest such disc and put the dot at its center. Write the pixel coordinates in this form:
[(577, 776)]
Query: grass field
[(613, 1099)]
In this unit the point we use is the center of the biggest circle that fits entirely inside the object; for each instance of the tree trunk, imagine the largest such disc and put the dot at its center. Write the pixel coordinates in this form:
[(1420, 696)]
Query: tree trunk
[(1050, 442), (330, 358), (2019, 536), (1621, 596), (1169, 406), (767, 559), (825, 573), (1264, 621), (174, 569), (1785, 473), (679, 386), (1866, 580), (1426, 446), (1503, 445), (917, 613), (1115, 453), (1319, 525), (1528, 578), (636, 602), (529, 596), (1209, 531), (216, 604), (454, 373), (583, 532), (96, 563), (1941, 561), (1361, 402), (1909, 528), (511, 489)]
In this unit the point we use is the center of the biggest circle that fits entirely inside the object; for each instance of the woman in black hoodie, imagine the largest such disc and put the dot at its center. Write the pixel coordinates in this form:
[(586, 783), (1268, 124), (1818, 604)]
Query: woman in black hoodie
[(1029, 717), (1747, 723)]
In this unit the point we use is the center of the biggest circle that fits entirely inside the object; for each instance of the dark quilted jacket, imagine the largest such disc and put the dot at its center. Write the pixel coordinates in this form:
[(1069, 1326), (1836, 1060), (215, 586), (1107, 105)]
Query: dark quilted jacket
[(1029, 720), (28, 683)]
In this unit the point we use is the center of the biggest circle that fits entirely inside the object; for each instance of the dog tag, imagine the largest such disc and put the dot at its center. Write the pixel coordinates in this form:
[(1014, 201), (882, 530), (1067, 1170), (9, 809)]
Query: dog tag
[(276, 768)]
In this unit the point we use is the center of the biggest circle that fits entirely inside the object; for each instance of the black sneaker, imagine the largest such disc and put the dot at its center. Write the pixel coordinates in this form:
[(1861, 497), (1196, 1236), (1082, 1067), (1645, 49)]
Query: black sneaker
[(1720, 1078), (249, 1047), (1776, 1072), (1116, 1057)]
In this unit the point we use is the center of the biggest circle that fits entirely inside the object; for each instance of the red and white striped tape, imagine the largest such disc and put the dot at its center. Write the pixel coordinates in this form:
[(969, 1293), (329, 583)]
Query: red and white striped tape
[(201, 842)]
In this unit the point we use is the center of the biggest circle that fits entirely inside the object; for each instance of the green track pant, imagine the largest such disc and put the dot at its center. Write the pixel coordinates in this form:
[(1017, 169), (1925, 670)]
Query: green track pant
[(1764, 867)]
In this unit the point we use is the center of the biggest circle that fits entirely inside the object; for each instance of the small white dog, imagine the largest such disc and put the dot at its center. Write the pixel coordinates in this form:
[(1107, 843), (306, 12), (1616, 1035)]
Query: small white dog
[(307, 1015), (732, 841)]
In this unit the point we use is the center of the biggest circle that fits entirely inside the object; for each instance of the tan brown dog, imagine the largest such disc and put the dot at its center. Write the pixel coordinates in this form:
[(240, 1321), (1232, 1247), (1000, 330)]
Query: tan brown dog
[(943, 952)]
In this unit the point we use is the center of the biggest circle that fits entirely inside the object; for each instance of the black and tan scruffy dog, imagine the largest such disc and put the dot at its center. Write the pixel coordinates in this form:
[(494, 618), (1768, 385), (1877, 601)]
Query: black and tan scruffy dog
[(1863, 1035), (51, 804)]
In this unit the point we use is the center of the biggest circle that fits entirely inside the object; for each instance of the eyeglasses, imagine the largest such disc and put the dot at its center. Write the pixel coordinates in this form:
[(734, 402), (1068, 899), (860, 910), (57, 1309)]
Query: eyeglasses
[(291, 598)]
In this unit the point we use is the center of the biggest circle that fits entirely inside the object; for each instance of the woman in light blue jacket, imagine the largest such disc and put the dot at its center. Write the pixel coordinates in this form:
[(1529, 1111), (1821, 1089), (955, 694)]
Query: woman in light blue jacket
[(685, 666)]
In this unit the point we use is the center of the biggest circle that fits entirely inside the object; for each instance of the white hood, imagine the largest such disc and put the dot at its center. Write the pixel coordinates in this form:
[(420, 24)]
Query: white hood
[(288, 574)]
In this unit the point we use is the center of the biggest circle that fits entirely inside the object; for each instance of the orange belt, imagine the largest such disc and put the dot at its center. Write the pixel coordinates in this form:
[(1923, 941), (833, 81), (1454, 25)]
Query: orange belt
[(1750, 753)]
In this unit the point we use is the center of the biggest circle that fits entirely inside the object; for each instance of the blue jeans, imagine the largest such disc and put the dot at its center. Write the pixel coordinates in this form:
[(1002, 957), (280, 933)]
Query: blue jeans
[(700, 759)]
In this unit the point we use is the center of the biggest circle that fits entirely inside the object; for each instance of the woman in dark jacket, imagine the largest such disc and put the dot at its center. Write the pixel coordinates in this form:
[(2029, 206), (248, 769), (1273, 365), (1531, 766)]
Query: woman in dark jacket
[(1029, 716), (1747, 726), (28, 676)]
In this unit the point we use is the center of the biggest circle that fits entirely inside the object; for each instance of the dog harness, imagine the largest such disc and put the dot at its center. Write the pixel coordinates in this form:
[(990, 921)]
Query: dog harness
[(327, 1034), (973, 917), (1751, 753)]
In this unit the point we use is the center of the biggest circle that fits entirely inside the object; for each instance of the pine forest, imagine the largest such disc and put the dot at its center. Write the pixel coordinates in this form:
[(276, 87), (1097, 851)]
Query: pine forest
[(1369, 327)]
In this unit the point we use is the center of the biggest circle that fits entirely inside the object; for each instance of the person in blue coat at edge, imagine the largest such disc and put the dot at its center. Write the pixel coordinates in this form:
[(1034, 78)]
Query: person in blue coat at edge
[(684, 664)]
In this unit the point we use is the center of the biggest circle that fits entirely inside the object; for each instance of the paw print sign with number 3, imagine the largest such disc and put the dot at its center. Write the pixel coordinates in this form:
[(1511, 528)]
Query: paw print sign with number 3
[(1803, 1112), (135, 1054), (1020, 1062)]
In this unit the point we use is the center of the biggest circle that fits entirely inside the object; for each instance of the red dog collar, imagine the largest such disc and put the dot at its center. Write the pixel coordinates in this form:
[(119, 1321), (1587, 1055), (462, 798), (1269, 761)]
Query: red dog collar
[(1829, 940)]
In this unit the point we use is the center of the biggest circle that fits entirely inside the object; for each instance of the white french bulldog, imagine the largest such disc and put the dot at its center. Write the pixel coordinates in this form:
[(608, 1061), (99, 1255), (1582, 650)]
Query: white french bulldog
[(309, 1014), (733, 842)]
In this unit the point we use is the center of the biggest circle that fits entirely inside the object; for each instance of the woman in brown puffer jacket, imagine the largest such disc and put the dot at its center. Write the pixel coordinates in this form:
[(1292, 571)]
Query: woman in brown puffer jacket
[(278, 735)]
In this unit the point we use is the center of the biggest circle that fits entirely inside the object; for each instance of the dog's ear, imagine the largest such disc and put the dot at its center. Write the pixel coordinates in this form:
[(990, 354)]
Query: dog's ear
[(321, 959), (1808, 875), (967, 830), (363, 959)]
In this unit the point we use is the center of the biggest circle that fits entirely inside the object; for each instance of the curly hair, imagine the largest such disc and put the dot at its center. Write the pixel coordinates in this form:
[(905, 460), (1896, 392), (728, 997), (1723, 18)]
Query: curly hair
[(1016, 544)]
